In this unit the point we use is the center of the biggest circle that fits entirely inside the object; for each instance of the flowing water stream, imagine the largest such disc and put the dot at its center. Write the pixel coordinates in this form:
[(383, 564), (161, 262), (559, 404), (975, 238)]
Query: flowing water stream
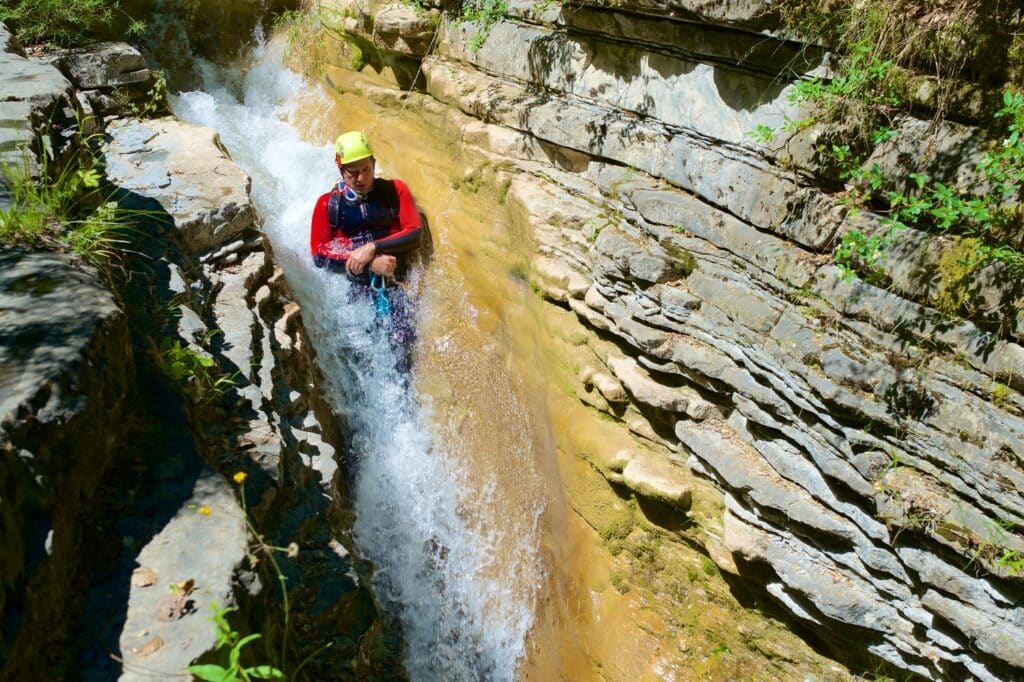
[(446, 505)]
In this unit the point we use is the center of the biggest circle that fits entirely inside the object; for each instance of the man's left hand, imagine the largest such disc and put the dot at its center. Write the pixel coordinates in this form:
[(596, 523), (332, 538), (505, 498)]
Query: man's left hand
[(384, 265)]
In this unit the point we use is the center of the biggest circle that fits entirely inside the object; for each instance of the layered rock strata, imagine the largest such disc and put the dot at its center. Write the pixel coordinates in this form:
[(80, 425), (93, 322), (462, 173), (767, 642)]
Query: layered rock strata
[(869, 448)]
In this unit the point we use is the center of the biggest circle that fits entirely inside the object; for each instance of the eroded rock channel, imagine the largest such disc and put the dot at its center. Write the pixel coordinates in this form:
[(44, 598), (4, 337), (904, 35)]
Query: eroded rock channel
[(653, 431)]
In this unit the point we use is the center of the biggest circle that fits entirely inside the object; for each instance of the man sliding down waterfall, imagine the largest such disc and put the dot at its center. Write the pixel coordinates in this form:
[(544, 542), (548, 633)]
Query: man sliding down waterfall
[(368, 228)]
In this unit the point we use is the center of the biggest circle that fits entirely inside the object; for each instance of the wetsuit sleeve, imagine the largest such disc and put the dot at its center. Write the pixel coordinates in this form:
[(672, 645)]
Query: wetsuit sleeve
[(319, 229), (409, 230)]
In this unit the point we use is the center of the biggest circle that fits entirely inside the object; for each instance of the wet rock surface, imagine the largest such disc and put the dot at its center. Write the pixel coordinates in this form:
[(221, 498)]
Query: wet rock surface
[(867, 447)]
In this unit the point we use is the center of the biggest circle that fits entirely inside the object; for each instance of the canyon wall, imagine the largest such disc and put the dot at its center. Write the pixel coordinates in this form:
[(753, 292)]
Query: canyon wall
[(866, 443)]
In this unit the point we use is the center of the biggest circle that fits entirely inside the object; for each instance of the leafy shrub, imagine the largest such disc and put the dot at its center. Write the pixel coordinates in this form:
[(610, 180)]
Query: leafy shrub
[(991, 223), (64, 208), (65, 22), (485, 12)]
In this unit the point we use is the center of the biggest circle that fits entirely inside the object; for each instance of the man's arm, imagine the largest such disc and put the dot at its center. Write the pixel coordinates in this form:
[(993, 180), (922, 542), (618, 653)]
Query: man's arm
[(409, 230), (319, 230)]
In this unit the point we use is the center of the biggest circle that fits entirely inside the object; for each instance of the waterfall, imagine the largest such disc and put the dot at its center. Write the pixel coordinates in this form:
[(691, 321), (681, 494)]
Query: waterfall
[(460, 579)]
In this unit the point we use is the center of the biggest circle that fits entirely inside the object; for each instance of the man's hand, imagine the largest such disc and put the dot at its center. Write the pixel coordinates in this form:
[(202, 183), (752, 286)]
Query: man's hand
[(384, 265), (360, 258)]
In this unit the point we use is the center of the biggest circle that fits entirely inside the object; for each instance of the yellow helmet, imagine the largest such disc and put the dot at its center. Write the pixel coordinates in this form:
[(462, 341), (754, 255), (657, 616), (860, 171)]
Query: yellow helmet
[(351, 146)]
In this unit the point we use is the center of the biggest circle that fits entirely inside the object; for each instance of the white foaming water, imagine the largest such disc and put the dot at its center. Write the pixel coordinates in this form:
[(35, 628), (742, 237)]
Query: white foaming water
[(464, 612)]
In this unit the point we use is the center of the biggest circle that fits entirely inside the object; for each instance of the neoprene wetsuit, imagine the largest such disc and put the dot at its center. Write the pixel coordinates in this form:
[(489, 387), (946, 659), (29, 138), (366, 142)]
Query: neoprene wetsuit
[(344, 220)]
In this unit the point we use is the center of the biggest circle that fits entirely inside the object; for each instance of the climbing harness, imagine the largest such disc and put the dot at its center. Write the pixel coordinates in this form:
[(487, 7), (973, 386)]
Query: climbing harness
[(381, 303)]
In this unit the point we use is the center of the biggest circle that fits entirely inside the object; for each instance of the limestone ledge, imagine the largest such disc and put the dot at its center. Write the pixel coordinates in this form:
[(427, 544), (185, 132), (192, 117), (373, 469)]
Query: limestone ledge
[(811, 408), (803, 397), (687, 117)]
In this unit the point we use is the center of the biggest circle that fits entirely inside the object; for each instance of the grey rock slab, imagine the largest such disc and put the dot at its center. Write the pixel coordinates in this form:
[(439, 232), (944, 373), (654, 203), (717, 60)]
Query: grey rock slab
[(7, 41), (994, 636), (31, 81), (645, 389), (729, 177), (194, 545), (887, 310), (185, 169), (794, 465), (404, 28), (658, 479), (233, 313), (715, 101), (17, 136), (51, 308), (829, 452), (914, 259), (763, 250), (741, 468), (744, 304), (953, 582), (871, 376), (105, 65), (811, 574), (945, 151), (711, 44)]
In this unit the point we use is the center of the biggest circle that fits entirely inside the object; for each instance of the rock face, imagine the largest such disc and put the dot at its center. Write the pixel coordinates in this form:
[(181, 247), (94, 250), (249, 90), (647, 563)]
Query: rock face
[(65, 392), (187, 172), (869, 449), (135, 408), (30, 90)]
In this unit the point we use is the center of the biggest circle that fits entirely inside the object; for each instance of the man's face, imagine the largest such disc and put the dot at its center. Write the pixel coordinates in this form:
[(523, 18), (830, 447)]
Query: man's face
[(359, 174)]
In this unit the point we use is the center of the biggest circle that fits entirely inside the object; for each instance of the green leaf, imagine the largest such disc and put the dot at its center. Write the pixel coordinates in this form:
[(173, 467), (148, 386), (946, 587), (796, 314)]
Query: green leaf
[(209, 672), (236, 651), (265, 672)]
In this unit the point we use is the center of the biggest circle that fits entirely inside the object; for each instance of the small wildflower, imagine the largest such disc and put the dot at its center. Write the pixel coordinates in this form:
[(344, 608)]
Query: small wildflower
[(293, 550), (205, 510), (240, 477)]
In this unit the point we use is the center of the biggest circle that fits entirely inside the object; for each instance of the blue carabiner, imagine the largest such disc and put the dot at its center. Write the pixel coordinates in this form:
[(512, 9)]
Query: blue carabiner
[(381, 302)]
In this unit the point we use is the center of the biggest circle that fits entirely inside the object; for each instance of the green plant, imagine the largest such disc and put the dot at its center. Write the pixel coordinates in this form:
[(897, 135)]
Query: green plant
[(620, 583), (988, 226), (503, 189), (762, 133), (882, 46), (183, 363), (484, 12), (865, 87), (1000, 394), (65, 22), (156, 97), (228, 636), (65, 208), (356, 60), (195, 368), (234, 670)]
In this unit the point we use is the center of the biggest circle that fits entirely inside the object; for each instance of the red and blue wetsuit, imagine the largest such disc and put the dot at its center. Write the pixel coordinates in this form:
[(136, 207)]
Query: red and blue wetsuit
[(344, 220)]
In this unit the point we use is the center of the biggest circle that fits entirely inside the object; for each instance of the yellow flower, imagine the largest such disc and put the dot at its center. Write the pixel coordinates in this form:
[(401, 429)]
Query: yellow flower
[(205, 510), (240, 477)]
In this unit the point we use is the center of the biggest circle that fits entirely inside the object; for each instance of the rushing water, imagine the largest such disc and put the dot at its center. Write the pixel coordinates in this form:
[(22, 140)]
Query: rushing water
[(460, 578)]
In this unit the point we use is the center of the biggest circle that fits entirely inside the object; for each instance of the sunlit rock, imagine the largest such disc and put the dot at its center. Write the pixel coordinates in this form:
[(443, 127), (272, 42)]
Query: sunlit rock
[(186, 170)]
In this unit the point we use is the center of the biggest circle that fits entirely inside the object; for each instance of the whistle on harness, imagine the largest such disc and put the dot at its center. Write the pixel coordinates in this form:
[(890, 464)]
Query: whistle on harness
[(381, 303)]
